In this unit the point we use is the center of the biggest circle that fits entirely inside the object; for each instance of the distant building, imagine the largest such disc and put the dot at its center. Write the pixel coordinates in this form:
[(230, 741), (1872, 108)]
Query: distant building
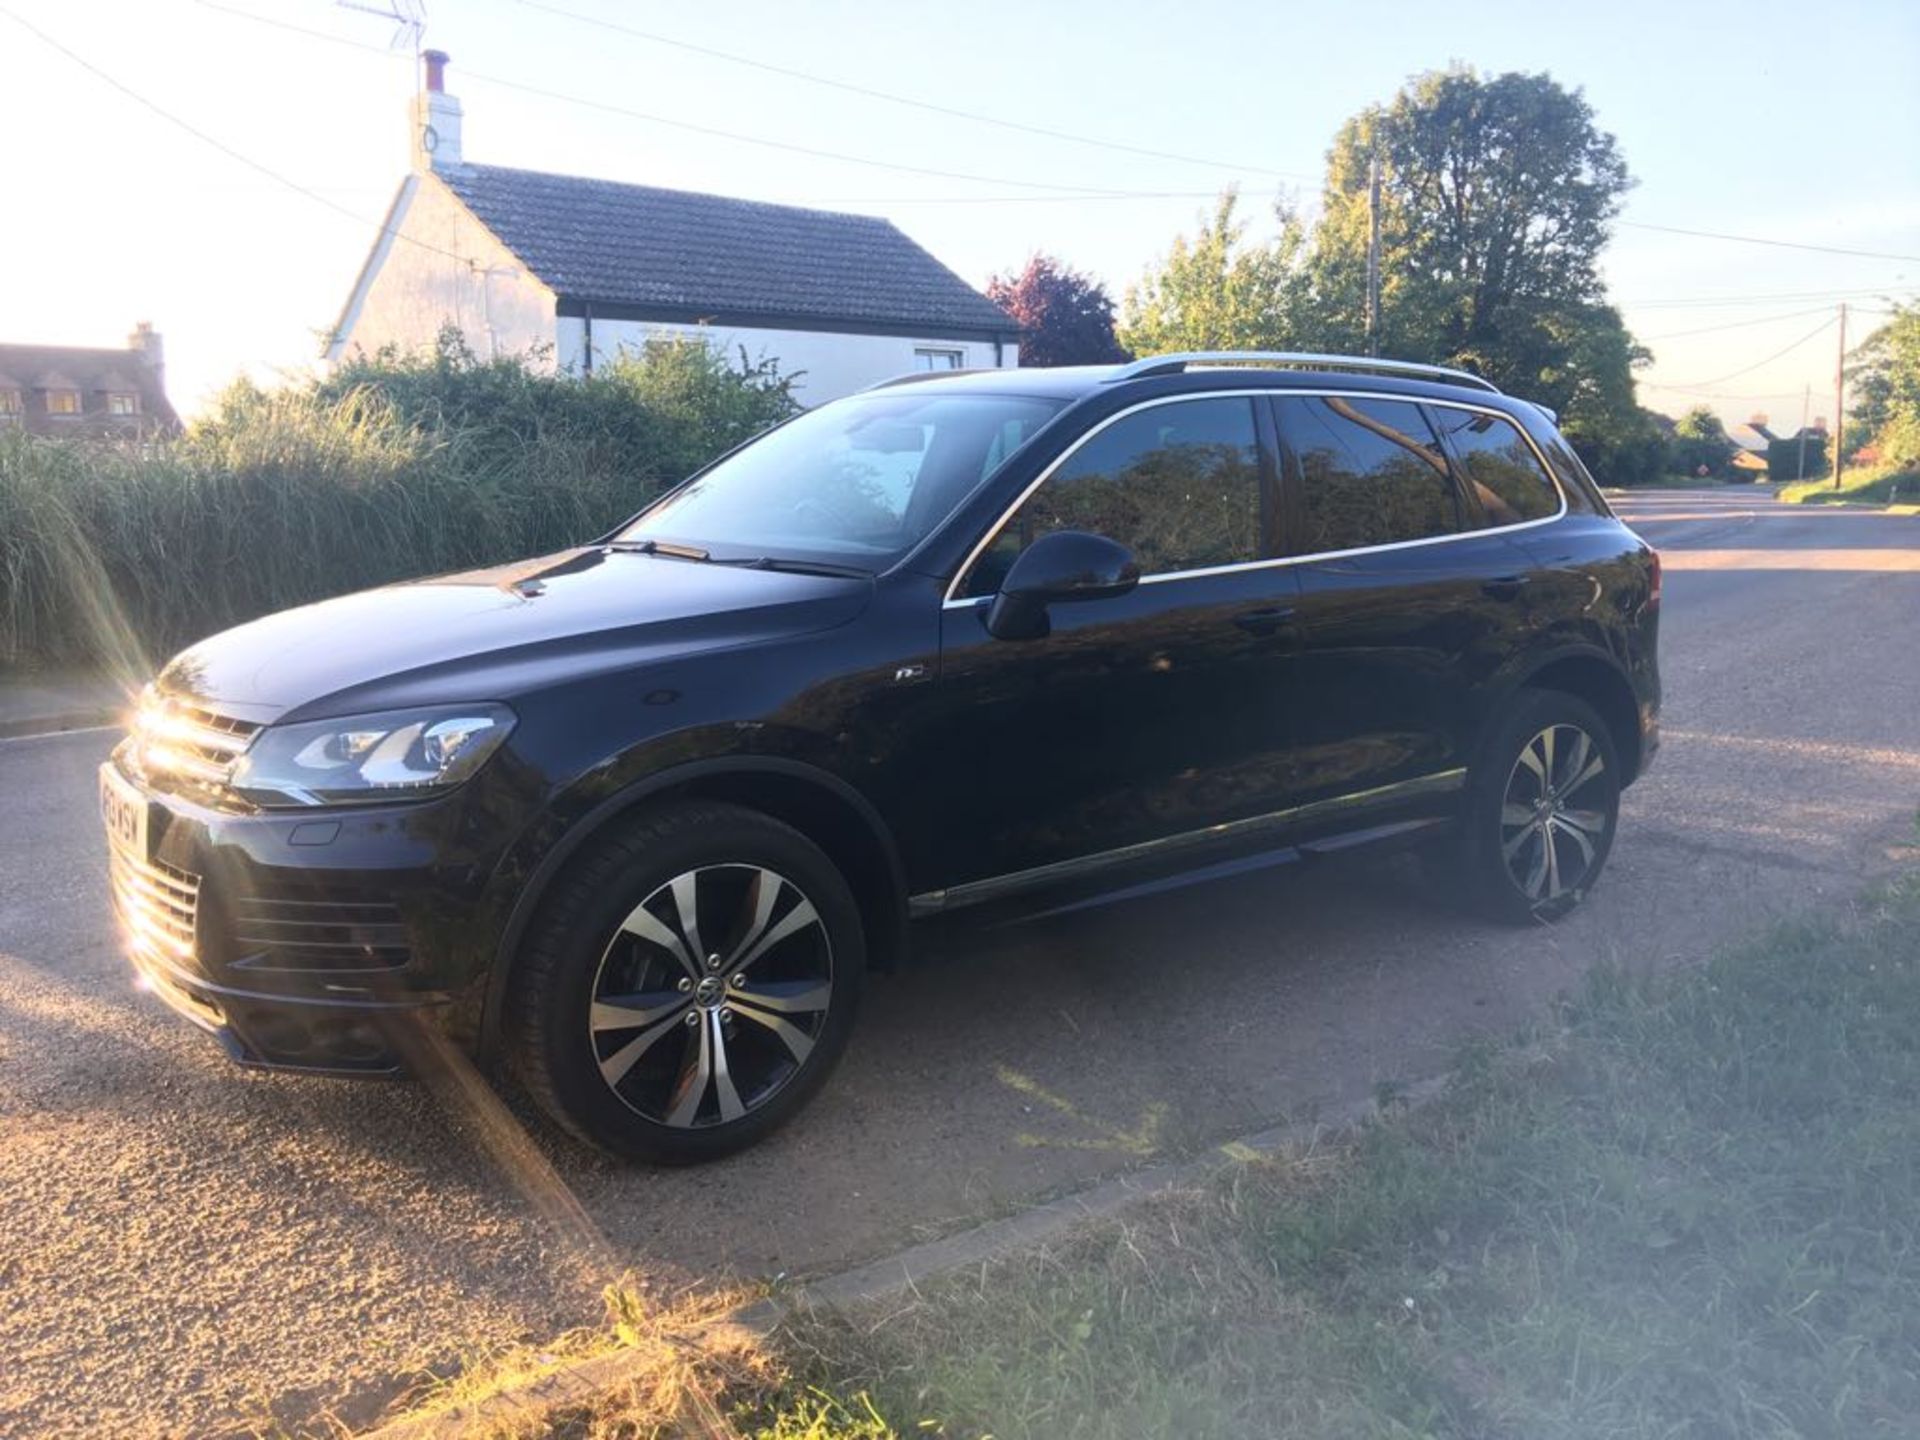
[(70, 390), (519, 260), (1802, 455)]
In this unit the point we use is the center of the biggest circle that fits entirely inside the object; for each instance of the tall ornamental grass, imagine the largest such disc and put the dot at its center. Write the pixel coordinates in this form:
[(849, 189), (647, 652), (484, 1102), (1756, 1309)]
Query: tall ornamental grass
[(392, 467)]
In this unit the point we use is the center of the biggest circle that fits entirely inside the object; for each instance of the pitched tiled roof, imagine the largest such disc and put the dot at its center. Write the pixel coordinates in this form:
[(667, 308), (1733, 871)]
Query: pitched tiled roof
[(95, 373), (676, 250)]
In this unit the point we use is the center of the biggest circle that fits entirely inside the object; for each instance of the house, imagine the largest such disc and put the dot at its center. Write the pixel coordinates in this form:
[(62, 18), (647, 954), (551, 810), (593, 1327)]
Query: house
[(71, 390), (526, 262), (1802, 455)]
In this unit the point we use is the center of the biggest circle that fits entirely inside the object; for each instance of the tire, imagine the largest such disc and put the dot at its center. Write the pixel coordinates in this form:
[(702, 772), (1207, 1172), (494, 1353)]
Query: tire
[(1530, 851), (643, 1039)]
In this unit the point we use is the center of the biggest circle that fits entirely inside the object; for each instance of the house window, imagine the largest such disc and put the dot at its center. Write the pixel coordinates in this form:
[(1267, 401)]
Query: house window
[(123, 404), (63, 402), (9, 404), (939, 359)]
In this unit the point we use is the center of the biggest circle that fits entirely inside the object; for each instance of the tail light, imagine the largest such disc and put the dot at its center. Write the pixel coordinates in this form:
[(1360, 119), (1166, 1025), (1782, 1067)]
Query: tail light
[(1653, 592)]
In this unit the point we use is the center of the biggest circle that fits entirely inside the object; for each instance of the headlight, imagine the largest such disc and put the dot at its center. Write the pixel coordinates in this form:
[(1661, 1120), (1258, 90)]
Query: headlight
[(400, 754)]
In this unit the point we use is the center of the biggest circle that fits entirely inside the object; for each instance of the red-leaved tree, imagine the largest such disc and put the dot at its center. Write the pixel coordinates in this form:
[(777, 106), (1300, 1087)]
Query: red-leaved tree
[(1067, 316)]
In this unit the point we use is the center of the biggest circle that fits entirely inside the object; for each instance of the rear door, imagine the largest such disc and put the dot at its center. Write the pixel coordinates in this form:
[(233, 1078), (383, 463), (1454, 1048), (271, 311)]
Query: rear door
[(1143, 716), (1408, 602)]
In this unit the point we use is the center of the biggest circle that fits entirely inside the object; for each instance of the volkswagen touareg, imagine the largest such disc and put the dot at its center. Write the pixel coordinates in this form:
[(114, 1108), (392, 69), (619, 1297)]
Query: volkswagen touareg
[(633, 822)]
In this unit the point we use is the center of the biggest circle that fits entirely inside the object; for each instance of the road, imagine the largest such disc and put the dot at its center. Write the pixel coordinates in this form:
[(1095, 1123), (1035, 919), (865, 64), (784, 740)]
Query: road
[(184, 1246)]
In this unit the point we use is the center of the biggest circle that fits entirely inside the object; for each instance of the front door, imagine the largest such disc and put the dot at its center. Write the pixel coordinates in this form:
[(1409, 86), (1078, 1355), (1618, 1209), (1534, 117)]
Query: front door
[(1136, 718)]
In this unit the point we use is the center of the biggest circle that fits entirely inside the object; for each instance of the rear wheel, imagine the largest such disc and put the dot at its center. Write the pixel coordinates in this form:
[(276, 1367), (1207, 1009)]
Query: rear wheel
[(1541, 811), (689, 984)]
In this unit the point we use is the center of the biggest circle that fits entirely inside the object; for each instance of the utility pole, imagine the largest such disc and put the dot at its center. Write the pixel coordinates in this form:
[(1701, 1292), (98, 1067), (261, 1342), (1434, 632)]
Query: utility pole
[(1806, 409), (1373, 256), (1840, 399)]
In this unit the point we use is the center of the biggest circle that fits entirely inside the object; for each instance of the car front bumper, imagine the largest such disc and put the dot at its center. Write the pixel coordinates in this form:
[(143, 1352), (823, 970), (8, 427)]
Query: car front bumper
[(332, 944)]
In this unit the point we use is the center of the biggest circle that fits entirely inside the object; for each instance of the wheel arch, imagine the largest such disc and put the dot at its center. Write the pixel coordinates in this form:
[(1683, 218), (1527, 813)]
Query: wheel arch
[(821, 806), (1595, 677)]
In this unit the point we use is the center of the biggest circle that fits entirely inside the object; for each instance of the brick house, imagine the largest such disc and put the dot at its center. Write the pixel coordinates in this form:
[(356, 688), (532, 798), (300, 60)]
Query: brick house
[(75, 390)]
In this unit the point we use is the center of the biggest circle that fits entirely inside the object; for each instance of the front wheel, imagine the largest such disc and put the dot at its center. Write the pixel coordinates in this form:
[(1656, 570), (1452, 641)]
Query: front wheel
[(689, 984), (1540, 812)]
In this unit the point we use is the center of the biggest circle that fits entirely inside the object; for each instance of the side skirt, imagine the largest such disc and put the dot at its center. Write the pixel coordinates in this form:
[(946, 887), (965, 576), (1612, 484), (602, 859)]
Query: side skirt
[(1343, 815)]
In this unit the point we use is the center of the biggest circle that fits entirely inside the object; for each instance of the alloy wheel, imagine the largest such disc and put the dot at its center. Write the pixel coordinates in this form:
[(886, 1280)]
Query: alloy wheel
[(1549, 838), (711, 996)]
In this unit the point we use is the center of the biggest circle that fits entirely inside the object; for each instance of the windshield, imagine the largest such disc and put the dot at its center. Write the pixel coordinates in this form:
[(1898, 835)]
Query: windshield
[(859, 482)]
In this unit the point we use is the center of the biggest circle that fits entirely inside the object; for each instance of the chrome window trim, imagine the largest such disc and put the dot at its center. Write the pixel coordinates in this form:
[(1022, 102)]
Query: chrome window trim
[(950, 602)]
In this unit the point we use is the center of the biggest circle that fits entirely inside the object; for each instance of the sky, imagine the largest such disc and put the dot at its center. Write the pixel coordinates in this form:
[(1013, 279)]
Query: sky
[(237, 225)]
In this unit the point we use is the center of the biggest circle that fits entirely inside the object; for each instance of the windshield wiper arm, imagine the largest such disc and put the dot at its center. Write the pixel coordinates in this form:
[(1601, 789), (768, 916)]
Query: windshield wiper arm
[(798, 567), (745, 562)]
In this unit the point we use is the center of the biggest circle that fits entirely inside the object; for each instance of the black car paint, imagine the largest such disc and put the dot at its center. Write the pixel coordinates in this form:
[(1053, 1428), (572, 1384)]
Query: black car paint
[(942, 755)]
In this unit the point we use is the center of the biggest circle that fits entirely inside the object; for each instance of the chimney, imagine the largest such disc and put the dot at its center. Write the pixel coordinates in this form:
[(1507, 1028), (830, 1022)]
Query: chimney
[(435, 117), (145, 343)]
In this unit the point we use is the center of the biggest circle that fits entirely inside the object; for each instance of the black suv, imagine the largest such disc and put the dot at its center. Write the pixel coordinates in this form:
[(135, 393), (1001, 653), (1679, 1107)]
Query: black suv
[(638, 818)]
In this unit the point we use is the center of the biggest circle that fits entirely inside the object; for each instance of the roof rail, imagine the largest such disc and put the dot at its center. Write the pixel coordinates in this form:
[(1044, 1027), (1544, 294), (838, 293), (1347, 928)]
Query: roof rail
[(1174, 364)]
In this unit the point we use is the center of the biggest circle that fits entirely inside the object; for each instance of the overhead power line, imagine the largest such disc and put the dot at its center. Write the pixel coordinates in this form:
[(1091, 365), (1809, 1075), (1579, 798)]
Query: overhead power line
[(386, 52), (1046, 191), (225, 149), (867, 91), (787, 146), (1735, 324), (1712, 302), (1764, 240), (1749, 369)]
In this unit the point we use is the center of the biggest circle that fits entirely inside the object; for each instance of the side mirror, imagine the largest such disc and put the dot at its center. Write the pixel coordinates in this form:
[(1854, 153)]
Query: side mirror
[(1058, 567)]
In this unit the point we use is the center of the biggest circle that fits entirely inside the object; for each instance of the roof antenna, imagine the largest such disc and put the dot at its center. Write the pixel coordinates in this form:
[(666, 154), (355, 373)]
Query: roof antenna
[(409, 18)]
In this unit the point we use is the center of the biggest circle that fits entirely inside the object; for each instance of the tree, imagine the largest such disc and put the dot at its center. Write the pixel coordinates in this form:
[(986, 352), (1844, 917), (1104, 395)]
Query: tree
[(1885, 378), (1067, 317), (1496, 199), (1701, 445), (1215, 291)]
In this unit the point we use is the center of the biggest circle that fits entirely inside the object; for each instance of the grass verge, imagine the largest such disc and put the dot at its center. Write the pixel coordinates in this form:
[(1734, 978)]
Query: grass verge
[(1880, 485), (1690, 1209)]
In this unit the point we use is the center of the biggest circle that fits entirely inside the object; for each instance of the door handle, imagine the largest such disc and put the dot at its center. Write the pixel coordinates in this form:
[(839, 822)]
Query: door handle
[(1264, 622), (1505, 587)]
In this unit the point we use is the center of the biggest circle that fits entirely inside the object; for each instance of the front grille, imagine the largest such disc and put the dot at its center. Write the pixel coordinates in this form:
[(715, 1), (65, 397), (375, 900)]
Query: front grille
[(158, 905), (283, 933), (178, 748), (181, 745)]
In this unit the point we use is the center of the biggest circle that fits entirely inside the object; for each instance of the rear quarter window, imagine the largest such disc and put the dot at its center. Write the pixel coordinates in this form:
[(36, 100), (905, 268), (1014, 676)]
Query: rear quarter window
[(1499, 466)]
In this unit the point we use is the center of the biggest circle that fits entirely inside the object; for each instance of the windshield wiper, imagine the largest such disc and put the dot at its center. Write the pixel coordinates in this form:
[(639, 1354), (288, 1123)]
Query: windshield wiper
[(798, 567), (745, 562), (657, 547)]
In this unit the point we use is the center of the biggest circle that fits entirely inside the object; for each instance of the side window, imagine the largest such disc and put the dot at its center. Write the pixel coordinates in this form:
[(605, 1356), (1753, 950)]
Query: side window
[(1501, 468), (1371, 472), (1178, 484)]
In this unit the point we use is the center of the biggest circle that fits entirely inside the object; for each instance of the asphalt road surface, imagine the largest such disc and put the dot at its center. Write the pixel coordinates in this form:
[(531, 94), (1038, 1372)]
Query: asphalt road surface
[(184, 1245)]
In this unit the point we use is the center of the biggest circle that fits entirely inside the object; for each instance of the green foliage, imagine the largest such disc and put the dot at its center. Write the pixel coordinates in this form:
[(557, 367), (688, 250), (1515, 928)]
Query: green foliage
[(1625, 448), (1885, 382), (1701, 445), (1217, 291), (1790, 458), (1869, 485), (394, 466), (1496, 198)]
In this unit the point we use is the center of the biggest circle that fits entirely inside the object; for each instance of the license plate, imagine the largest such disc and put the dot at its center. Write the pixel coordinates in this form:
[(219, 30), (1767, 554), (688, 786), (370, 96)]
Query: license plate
[(123, 810)]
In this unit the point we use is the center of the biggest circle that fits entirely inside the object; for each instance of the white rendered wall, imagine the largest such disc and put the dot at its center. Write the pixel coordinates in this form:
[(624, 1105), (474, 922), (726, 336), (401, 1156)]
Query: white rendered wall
[(834, 364), (459, 273)]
